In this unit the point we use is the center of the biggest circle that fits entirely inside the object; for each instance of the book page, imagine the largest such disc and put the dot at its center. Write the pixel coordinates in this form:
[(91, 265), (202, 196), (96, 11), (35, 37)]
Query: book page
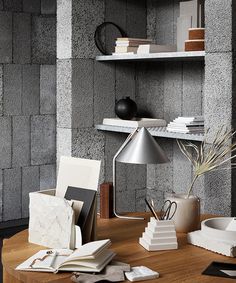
[(89, 250), (42, 261)]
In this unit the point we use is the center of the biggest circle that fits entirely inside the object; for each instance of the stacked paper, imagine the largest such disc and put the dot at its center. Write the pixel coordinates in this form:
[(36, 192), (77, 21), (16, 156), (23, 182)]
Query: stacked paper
[(159, 235), (187, 125)]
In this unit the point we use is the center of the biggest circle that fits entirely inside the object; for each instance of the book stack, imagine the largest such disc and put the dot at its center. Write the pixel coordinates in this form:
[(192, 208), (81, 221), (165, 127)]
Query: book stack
[(129, 45), (155, 48), (159, 235), (185, 125)]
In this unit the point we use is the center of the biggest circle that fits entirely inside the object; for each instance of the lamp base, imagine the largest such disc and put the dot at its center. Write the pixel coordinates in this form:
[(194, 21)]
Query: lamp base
[(127, 217)]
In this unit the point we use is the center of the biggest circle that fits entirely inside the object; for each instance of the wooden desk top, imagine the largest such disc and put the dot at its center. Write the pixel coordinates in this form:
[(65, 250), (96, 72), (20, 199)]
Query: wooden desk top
[(182, 265)]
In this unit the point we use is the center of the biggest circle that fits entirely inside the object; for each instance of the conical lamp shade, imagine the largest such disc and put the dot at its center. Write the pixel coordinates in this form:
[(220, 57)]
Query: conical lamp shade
[(142, 149)]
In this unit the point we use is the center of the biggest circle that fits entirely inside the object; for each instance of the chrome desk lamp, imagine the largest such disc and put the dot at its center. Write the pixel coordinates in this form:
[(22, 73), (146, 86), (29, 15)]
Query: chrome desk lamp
[(139, 148)]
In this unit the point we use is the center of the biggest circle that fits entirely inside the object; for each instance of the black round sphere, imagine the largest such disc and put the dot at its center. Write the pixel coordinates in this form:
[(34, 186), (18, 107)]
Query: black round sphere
[(126, 108)]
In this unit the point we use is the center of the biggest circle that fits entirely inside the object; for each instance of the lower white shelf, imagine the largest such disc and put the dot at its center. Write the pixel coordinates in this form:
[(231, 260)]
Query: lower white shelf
[(154, 131)]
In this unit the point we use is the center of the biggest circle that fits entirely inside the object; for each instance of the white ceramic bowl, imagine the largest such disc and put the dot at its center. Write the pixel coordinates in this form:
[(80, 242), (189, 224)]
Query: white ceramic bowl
[(215, 228)]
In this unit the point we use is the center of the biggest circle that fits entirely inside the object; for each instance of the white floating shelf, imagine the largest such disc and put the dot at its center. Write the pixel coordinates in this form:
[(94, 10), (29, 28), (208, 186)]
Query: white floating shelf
[(163, 56), (154, 131)]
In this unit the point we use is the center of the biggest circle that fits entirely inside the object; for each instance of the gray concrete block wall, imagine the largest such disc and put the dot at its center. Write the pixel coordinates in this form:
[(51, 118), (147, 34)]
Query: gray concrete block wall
[(12, 194), (26, 90), (48, 89), (1, 90), (12, 78), (30, 89), (5, 142), (6, 37), (43, 140), (20, 141), (21, 38), (30, 183), (44, 40), (218, 19), (47, 176), (86, 16)]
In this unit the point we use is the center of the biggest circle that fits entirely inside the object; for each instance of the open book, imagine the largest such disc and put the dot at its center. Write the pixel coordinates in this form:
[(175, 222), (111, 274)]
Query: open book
[(91, 257)]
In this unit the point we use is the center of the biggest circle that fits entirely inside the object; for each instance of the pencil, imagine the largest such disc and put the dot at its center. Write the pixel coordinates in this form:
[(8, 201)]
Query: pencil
[(151, 209)]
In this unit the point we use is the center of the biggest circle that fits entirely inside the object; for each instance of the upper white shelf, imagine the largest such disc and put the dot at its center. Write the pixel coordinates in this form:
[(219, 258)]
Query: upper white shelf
[(154, 131), (163, 56)]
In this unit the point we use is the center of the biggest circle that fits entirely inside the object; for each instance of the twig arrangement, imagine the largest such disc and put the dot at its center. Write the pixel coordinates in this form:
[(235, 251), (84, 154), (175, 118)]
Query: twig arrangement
[(208, 157)]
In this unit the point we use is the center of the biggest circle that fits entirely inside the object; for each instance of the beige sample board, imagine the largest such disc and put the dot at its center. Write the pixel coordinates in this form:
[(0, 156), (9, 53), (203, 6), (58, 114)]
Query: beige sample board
[(77, 172)]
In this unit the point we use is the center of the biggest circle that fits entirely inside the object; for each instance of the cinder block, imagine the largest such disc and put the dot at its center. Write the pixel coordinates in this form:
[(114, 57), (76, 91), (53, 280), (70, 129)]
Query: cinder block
[(192, 88), (87, 143), (173, 91), (113, 142), (5, 142), (140, 195), (30, 93), (218, 23), (149, 88), (182, 171), (82, 93), (12, 89), (64, 143), (64, 29), (124, 81), (217, 92), (5, 37), (30, 183), (136, 176), (47, 89), (21, 141), (104, 92), (125, 201), (43, 40), (1, 195), (43, 139), (30, 6), (86, 16), (21, 38), (136, 19), (1, 90), (64, 93), (160, 176), (48, 6), (114, 12), (47, 176), (165, 22), (12, 5), (12, 194), (151, 20)]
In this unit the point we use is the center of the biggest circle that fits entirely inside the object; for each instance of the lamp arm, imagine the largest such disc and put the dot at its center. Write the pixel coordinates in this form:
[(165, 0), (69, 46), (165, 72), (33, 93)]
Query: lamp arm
[(129, 138)]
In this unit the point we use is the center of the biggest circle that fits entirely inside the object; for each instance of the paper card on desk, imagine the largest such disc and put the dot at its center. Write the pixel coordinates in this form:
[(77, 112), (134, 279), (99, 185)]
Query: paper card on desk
[(77, 172), (220, 269)]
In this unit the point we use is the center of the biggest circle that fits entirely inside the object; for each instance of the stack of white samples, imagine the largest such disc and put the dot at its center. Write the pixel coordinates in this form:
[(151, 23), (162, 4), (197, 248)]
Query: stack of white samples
[(192, 125), (129, 45), (159, 235)]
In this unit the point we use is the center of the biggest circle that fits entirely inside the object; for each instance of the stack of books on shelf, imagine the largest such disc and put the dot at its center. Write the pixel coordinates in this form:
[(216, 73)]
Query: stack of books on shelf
[(126, 45), (191, 125)]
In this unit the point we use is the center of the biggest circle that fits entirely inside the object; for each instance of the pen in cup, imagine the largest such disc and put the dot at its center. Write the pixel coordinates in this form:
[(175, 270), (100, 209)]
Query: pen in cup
[(151, 209)]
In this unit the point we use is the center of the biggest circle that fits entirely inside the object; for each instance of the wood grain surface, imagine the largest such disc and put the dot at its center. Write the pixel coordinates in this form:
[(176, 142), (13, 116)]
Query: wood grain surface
[(182, 265)]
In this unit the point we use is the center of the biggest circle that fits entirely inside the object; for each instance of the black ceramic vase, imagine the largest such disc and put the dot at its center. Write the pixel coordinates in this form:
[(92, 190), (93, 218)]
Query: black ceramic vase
[(126, 108)]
